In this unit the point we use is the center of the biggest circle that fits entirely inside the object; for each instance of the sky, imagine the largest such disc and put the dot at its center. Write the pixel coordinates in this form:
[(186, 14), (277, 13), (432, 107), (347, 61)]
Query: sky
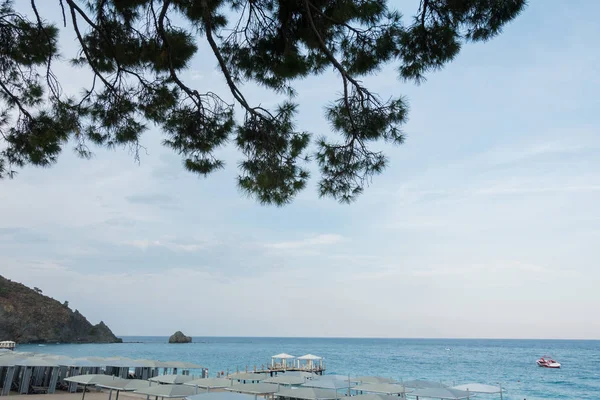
[(486, 223)]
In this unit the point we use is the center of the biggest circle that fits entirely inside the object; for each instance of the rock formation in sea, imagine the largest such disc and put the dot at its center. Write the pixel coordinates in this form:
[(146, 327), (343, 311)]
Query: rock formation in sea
[(179, 337), (27, 316)]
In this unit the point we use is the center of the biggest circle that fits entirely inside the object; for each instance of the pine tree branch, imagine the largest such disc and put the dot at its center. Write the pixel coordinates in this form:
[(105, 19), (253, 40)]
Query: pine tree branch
[(15, 99)]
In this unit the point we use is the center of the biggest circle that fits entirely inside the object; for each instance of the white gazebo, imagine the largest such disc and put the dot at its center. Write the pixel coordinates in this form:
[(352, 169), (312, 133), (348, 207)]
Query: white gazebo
[(310, 362), (280, 361)]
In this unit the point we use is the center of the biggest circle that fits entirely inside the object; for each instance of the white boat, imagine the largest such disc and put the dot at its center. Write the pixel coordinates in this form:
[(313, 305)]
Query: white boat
[(547, 362), (7, 344)]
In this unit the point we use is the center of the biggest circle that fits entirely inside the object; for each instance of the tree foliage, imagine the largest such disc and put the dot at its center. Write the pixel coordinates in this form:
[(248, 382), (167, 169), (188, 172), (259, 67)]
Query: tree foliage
[(138, 49)]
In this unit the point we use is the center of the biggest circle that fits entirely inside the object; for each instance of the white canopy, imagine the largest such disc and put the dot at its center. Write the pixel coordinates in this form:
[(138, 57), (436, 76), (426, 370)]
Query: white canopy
[(479, 388), (93, 379), (220, 396), (283, 356), (169, 391), (172, 379), (211, 383), (125, 385), (384, 388), (441, 393), (254, 388), (419, 384), (248, 376), (286, 380), (308, 394), (310, 357), (372, 379)]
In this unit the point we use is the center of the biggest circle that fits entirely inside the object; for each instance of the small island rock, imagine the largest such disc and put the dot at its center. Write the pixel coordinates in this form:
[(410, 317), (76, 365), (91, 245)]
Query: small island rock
[(179, 337)]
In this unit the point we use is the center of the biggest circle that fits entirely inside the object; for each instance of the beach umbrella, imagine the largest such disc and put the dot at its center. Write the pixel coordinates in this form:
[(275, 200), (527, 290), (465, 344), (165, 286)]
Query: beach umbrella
[(306, 393), (441, 393), (248, 376), (383, 388), (286, 380), (321, 383), (221, 396), (255, 388), (172, 379), (168, 391), (372, 379), (124, 385), (91, 379), (419, 384), (480, 388), (211, 383), (375, 396)]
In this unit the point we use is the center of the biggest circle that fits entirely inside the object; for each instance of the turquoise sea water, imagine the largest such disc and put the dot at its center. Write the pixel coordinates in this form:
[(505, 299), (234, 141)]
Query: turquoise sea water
[(452, 361)]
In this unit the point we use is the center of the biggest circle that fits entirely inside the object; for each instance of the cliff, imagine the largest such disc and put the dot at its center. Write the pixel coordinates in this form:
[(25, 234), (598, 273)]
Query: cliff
[(27, 316)]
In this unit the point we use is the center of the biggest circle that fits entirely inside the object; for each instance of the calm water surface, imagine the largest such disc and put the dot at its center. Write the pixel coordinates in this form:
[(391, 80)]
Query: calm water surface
[(509, 362)]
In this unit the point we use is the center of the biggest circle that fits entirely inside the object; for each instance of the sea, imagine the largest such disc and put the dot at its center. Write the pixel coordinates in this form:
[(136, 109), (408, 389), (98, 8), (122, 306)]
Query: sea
[(509, 363)]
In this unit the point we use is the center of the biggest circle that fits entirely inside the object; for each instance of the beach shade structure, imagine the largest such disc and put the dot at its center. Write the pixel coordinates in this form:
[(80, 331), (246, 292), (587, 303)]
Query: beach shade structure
[(280, 361), (260, 389), (331, 377), (372, 379), (419, 384), (211, 383), (381, 388), (304, 374), (168, 391), (124, 385), (375, 396), (306, 393), (248, 376), (310, 361), (480, 388), (441, 393), (287, 380), (221, 396), (171, 379), (327, 384), (92, 379)]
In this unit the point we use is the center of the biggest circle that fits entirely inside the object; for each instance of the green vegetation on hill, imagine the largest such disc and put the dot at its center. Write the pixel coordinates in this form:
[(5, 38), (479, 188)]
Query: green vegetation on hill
[(27, 316)]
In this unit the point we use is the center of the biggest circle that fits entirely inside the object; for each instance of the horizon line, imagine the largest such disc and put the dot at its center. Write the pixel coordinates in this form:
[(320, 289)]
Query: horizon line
[(365, 337)]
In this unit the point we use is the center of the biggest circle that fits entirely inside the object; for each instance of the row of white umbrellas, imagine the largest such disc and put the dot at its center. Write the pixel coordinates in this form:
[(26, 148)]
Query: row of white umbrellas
[(319, 388)]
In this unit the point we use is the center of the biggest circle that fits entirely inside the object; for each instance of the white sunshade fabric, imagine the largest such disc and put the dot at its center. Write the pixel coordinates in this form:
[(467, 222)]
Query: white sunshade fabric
[(94, 379), (385, 388), (419, 384), (310, 357), (479, 388), (127, 385), (211, 383), (307, 393), (283, 356), (220, 396), (172, 379), (328, 384), (255, 388), (375, 396), (442, 393), (248, 376), (169, 391), (286, 380), (372, 379)]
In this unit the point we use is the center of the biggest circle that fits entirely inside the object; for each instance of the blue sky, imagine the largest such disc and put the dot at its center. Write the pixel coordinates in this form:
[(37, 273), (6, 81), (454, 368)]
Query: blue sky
[(485, 224)]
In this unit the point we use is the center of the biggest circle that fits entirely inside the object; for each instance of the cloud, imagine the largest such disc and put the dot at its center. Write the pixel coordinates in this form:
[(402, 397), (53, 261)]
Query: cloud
[(500, 190), (314, 241), (150, 199), (175, 246)]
